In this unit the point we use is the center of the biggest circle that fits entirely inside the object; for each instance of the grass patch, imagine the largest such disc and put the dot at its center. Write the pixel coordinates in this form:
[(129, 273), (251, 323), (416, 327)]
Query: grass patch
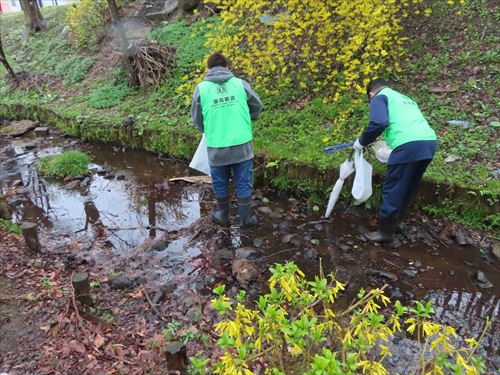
[(68, 163), (458, 213)]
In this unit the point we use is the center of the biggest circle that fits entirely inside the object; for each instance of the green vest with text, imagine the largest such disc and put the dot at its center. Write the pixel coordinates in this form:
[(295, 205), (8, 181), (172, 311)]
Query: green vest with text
[(406, 122), (226, 116)]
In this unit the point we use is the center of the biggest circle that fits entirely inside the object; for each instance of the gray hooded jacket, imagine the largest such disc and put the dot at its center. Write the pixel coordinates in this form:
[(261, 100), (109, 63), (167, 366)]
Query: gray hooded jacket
[(226, 155)]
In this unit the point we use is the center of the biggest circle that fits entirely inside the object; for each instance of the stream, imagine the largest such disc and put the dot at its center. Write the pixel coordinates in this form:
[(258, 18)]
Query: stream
[(128, 215)]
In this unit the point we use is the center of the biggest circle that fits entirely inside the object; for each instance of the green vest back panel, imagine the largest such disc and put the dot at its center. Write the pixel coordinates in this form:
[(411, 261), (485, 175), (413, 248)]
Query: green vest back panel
[(406, 122), (226, 116)]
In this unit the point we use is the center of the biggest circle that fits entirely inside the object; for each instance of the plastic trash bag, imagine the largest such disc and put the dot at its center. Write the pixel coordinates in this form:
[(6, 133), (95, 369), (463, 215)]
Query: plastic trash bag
[(200, 158), (382, 151), (362, 186), (346, 169)]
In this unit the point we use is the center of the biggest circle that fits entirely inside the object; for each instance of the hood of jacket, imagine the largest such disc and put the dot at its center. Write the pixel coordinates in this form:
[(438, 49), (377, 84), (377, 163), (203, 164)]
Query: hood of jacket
[(218, 74)]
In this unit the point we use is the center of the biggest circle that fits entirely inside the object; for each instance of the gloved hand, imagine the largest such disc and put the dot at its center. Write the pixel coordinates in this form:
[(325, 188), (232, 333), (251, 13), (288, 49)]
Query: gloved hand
[(357, 146)]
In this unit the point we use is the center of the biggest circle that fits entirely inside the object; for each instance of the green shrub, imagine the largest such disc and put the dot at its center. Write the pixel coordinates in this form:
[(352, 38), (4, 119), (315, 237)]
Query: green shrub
[(10, 227), (74, 69), (68, 163), (300, 328), (85, 21)]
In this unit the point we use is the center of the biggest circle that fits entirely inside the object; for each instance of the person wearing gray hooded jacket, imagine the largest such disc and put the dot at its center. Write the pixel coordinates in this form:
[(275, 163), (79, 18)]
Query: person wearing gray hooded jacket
[(223, 107)]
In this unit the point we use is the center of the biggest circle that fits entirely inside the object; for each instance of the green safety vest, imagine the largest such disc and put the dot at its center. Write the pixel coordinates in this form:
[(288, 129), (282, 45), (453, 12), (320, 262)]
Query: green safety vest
[(226, 116), (406, 122)]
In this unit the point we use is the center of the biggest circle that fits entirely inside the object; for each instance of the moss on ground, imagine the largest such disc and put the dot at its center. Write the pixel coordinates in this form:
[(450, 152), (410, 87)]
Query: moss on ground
[(451, 71)]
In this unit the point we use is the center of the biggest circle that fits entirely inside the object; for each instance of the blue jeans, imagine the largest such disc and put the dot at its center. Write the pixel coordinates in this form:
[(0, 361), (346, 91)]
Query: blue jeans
[(242, 177)]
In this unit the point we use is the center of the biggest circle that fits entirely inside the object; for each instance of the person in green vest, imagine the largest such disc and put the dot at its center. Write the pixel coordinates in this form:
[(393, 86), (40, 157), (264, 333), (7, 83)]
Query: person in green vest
[(413, 144), (223, 107)]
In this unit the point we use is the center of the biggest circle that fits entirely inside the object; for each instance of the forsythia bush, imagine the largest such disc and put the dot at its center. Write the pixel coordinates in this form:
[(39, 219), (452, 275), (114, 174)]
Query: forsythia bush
[(317, 46), (297, 328), (85, 20)]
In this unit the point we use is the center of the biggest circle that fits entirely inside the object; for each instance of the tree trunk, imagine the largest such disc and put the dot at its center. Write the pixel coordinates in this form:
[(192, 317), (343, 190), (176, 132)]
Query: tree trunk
[(4, 61), (81, 285), (115, 17), (33, 17), (30, 235)]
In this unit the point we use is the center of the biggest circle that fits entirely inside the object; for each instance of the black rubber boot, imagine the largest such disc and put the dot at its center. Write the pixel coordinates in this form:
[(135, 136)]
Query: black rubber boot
[(247, 218), (220, 214), (403, 213), (386, 231)]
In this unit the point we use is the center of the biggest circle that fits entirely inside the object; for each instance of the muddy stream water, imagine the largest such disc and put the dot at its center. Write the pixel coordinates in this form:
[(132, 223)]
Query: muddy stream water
[(127, 205)]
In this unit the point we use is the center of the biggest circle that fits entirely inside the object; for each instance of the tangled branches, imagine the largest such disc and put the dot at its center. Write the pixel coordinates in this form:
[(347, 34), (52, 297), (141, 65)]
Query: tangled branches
[(26, 81), (148, 63)]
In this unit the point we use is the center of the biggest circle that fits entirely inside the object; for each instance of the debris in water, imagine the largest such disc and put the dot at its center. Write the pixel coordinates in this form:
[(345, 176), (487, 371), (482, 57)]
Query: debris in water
[(193, 179), (244, 271), (463, 123)]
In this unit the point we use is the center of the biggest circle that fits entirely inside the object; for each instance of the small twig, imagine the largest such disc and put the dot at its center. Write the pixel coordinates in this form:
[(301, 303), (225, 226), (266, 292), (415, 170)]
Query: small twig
[(193, 237), (313, 223), (393, 264), (153, 307), (485, 237), (211, 10), (274, 254)]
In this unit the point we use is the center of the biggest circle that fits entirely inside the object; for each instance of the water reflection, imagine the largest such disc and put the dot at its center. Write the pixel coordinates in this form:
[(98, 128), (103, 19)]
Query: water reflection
[(467, 312), (127, 210)]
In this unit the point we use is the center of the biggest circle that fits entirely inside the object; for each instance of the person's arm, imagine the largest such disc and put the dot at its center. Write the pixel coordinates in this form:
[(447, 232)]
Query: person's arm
[(379, 120), (196, 112), (253, 100)]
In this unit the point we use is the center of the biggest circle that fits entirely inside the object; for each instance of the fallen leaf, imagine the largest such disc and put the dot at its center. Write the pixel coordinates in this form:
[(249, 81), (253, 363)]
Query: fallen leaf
[(136, 294), (76, 346), (99, 341)]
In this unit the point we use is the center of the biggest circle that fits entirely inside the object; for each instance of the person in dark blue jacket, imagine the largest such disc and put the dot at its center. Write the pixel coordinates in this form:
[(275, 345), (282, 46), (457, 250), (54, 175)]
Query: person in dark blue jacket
[(413, 144)]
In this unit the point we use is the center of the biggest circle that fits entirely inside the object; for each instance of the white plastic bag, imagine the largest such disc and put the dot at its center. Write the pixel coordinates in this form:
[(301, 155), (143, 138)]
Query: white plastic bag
[(200, 158), (382, 151), (362, 186), (346, 169)]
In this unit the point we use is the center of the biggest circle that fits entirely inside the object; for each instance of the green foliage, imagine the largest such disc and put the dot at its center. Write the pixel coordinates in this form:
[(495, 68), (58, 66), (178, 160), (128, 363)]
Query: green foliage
[(95, 284), (47, 283), (198, 366), (171, 330), (10, 227), (109, 95), (458, 212), (74, 69), (297, 327), (68, 163)]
